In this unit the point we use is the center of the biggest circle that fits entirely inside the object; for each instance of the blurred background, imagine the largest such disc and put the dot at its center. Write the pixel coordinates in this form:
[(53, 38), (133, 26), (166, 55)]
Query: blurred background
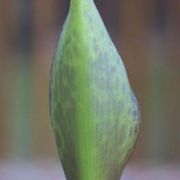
[(147, 35)]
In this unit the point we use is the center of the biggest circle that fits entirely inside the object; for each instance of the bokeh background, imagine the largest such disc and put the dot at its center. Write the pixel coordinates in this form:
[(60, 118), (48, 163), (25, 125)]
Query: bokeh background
[(147, 35)]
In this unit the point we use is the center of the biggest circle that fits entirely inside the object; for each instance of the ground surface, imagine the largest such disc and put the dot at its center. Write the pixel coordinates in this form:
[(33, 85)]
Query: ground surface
[(48, 170)]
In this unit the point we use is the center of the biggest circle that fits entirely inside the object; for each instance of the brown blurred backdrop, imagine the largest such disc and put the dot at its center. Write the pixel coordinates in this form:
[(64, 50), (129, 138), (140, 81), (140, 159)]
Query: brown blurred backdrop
[(147, 34)]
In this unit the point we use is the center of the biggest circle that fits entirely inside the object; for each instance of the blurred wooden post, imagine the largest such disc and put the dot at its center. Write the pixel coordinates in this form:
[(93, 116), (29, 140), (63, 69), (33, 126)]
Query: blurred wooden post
[(157, 140), (8, 29), (3, 68), (172, 50), (20, 86)]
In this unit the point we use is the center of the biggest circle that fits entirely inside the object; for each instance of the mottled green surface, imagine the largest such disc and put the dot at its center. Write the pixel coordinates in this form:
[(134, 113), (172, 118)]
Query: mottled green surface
[(94, 113)]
